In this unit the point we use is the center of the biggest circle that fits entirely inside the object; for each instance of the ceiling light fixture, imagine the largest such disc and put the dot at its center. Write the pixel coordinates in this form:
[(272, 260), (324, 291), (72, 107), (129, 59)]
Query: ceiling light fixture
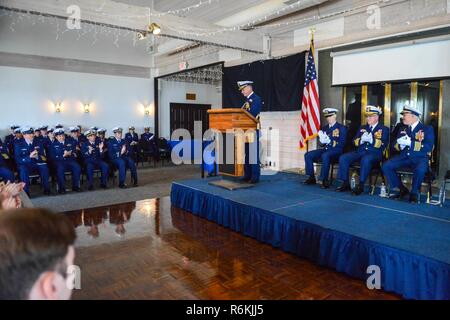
[(154, 28)]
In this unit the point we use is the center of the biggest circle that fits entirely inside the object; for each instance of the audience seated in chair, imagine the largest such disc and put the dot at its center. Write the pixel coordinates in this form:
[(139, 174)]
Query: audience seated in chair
[(371, 141), (30, 157), (332, 138), (64, 155), (415, 142), (93, 153), (119, 155)]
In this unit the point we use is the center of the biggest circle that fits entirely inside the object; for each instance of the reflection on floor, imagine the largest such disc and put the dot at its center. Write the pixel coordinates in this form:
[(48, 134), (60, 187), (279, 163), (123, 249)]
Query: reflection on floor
[(148, 250)]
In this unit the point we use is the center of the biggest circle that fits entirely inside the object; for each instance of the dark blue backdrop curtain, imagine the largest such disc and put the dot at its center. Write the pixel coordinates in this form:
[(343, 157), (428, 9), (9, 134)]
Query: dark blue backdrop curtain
[(279, 82)]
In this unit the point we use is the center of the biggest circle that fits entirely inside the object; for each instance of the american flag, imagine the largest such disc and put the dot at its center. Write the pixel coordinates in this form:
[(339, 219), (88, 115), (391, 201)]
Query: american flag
[(310, 115)]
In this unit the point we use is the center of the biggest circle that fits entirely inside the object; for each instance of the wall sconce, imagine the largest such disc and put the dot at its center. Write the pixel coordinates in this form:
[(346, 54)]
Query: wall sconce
[(147, 110), (87, 108), (58, 107)]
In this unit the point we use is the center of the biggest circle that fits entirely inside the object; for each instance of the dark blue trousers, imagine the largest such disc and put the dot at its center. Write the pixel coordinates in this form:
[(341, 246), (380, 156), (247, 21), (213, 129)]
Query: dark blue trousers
[(419, 165), (327, 156), (25, 170), (366, 159), (122, 164), (252, 171), (6, 174), (68, 165), (91, 165)]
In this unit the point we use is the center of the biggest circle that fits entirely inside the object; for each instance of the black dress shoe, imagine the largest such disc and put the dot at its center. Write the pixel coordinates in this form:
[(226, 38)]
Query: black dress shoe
[(358, 190), (104, 186), (413, 198), (63, 191), (403, 193), (325, 184), (47, 192), (344, 187), (77, 189), (91, 188), (122, 186), (310, 181)]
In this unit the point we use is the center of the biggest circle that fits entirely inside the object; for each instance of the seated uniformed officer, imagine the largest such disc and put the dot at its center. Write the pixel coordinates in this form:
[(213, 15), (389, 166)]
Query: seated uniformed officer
[(30, 157), (371, 140), (147, 135), (5, 173), (9, 139), (332, 137), (131, 136), (416, 143), (93, 154), (132, 139), (44, 131), (77, 137), (37, 133), (48, 139), (101, 137), (63, 155), (149, 143), (18, 137), (119, 155), (253, 104)]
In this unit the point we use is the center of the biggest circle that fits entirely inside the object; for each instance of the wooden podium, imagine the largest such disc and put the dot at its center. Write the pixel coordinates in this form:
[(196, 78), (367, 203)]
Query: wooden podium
[(232, 122)]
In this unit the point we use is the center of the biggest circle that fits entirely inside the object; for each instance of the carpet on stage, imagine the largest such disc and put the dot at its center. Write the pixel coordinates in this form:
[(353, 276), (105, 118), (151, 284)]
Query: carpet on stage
[(410, 243)]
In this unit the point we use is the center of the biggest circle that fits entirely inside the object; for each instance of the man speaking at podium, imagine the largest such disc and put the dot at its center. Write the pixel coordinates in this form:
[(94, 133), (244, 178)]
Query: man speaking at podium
[(253, 105)]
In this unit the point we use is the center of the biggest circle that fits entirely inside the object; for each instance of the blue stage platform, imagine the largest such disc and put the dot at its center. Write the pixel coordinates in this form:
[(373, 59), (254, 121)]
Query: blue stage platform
[(410, 243)]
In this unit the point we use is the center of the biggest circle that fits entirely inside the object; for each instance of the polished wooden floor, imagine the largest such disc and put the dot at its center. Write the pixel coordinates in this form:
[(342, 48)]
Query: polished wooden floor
[(148, 250)]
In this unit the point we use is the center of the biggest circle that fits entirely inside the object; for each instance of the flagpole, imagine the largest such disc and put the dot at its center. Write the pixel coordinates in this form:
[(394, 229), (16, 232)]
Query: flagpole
[(311, 44)]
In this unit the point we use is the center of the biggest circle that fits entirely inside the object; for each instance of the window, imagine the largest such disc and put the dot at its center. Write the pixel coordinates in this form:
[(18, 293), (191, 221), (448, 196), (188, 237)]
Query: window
[(375, 97)]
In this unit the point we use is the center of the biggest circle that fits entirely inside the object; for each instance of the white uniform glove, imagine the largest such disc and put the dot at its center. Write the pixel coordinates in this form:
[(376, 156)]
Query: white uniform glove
[(404, 142), (323, 138), (364, 138), (369, 138)]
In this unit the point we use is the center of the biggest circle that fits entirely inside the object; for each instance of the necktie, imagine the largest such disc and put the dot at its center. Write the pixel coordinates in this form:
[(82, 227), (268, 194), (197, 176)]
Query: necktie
[(409, 131)]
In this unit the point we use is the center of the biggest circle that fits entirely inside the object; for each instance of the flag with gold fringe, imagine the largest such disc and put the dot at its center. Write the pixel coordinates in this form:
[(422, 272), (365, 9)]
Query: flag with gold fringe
[(310, 113)]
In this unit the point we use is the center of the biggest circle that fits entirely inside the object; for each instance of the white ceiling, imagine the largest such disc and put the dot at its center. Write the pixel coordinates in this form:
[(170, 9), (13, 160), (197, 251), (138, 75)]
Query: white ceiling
[(214, 12), (225, 13)]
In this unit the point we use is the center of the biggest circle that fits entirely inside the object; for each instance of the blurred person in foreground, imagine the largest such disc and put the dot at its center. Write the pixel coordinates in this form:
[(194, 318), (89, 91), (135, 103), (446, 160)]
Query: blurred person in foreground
[(36, 249), (10, 195)]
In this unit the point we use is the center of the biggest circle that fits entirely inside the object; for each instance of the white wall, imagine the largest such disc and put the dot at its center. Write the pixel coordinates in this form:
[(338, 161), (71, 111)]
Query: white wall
[(28, 95), (287, 124), (175, 92), (33, 37)]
